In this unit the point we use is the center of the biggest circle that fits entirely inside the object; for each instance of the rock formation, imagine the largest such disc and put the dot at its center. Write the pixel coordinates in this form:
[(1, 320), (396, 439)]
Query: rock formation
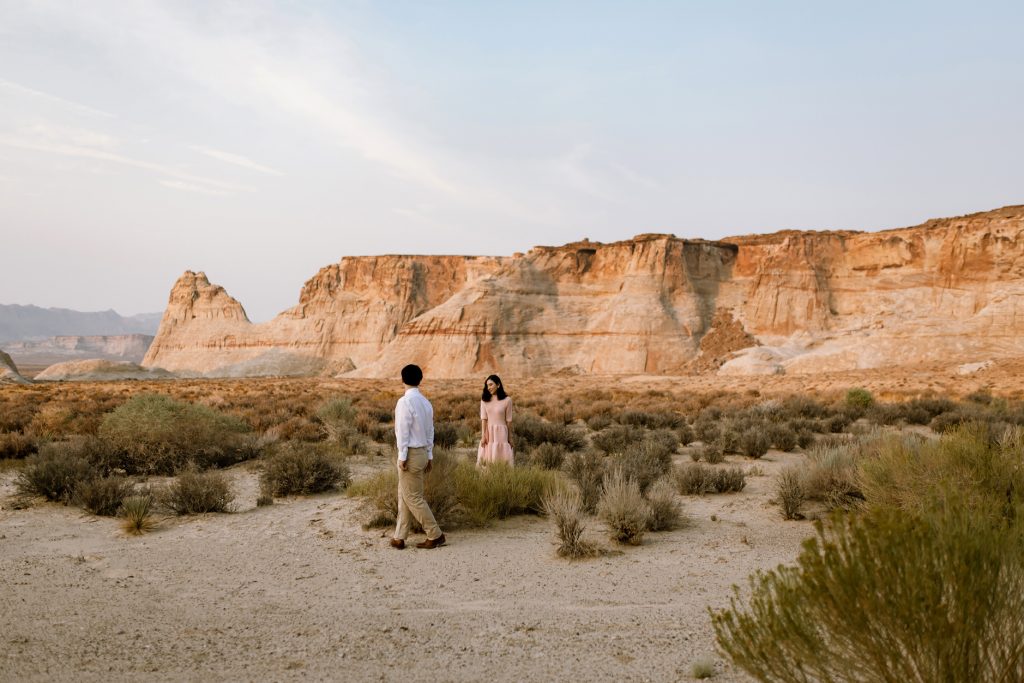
[(98, 370), (948, 290), (130, 347), (9, 371)]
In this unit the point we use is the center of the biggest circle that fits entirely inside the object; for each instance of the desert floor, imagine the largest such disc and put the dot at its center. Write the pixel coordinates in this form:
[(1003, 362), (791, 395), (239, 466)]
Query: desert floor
[(298, 591)]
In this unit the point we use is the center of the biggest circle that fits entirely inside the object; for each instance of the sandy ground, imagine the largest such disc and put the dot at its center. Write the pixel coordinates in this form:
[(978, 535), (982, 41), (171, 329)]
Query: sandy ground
[(298, 591)]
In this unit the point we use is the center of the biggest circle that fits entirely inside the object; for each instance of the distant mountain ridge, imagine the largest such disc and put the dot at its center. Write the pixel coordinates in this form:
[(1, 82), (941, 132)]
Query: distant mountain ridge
[(23, 323)]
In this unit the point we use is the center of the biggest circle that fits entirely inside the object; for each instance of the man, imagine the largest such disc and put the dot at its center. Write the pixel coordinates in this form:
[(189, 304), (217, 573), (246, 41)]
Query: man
[(414, 427)]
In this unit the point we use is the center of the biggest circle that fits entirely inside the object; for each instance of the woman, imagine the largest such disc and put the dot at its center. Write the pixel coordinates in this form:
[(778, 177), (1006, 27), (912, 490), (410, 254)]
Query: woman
[(495, 423)]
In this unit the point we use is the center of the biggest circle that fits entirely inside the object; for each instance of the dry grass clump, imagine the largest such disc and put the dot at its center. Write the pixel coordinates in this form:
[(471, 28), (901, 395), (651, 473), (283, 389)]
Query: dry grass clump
[(15, 445), (754, 442), (711, 453), (782, 436), (623, 509), (154, 434), (137, 512), (789, 492), (103, 495), (530, 432), (55, 473), (695, 479), (652, 420), (586, 470), (703, 668), (617, 438), (339, 420), (565, 509), (298, 468), (666, 512), (195, 492)]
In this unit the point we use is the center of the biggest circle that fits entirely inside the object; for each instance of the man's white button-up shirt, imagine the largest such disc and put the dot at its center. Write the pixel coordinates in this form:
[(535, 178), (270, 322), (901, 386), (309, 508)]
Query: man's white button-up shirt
[(414, 423)]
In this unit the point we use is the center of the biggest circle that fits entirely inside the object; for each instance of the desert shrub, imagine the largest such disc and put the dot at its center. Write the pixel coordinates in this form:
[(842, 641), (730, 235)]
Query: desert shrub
[(459, 493), (981, 396), (782, 437), (195, 492), (804, 438), (337, 414), (565, 509), (711, 453), (729, 480), (884, 414), (684, 433), (705, 430), (586, 470), (754, 442), (599, 421), (803, 406), (103, 495), (887, 596), (643, 462), (55, 472), (985, 468), (695, 480), (949, 421), (730, 437), (703, 668), (616, 438), (834, 424), (859, 397), (832, 474), (446, 434), (298, 468), (137, 513), (530, 432), (382, 433), (666, 513), (548, 456), (651, 420), (153, 434), (15, 445), (622, 507), (789, 492), (499, 491)]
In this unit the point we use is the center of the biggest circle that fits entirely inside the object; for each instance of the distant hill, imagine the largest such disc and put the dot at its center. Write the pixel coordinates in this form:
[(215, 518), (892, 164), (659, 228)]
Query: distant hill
[(21, 323)]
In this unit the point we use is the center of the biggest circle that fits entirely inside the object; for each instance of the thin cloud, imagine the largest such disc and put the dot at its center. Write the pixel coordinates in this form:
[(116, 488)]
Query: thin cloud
[(38, 94), (190, 187), (235, 159), (71, 150)]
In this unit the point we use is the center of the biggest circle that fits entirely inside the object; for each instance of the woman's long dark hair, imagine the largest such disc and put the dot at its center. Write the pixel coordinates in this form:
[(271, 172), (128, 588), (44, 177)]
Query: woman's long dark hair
[(501, 388)]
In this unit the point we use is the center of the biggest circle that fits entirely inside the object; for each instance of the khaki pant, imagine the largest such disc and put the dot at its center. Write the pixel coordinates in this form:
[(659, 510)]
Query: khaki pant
[(410, 497)]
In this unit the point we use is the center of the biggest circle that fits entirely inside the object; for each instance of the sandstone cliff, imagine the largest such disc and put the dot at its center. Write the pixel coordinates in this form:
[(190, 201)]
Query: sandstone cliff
[(949, 289)]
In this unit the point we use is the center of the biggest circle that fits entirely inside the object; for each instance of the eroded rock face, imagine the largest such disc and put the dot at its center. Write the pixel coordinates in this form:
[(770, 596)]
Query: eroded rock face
[(9, 371), (97, 370), (946, 290)]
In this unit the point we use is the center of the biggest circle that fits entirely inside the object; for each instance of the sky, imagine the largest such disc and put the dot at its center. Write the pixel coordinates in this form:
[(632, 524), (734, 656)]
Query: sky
[(260, 141)]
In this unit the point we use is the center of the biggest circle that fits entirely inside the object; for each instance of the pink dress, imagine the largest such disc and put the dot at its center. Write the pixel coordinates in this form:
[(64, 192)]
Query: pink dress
[(498, 414)]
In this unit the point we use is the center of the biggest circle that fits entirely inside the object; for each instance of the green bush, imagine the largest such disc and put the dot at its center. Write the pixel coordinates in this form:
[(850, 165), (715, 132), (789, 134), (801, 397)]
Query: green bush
[(984, 467), (55, 472), (103, 495), (300, 468), (197, 492), (858, 397), (623, 508), (153, 434), (886, 596)]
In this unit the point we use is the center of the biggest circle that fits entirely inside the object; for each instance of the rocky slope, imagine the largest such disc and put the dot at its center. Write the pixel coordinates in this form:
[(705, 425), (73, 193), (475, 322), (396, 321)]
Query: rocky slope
[(947, 290), (129, 347), (9, 371)]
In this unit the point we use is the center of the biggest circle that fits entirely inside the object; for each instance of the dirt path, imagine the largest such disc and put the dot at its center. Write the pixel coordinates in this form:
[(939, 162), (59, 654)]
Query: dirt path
[(298, 591)]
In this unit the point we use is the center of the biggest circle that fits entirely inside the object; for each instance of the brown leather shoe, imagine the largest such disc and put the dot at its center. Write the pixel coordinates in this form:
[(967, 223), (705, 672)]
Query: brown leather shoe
[(397, 544), (428, 544)]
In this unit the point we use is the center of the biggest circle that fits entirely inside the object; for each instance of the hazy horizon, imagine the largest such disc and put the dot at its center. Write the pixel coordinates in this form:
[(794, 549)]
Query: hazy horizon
[(261, 141)]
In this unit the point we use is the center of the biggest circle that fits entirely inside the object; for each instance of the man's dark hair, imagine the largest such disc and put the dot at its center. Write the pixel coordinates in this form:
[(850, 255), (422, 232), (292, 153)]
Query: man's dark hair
[(412, 375)]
